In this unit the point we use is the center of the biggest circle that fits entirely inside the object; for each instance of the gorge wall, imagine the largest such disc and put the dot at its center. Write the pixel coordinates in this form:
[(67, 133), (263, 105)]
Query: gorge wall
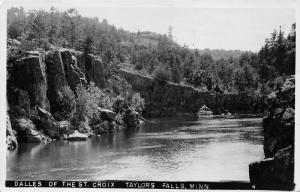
[(167, 99), (33, 81), (35, 77), (276, 171)]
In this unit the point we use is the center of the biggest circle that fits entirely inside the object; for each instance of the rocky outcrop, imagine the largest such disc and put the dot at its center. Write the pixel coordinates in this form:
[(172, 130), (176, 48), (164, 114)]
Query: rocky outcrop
[(74, 74), (56, 77), (167, 98), (94, 69), (30, 76), (130, 118), (107, 115), (27, 132), (34, 79), (277, 170), (47, 123)]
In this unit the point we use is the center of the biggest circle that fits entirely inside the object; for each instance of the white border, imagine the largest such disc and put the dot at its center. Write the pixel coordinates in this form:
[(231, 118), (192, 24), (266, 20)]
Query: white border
[(133, 3)]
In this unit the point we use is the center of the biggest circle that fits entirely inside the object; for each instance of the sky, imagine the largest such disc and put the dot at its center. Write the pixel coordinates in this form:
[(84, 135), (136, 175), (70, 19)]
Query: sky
[(214, 28), (244, 29)]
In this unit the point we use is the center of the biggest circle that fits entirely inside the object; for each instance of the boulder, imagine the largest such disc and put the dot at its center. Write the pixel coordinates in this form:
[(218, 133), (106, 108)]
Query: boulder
[(76, 136), (130, 118), (34, 136), (274, 173), (64, 126), (47, 123), (27, 133), (107, 115)]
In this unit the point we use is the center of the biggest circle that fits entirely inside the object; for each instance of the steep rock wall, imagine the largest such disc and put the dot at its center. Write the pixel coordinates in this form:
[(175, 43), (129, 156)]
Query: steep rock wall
[(56, 77), (167, 98), (276, 171), (93, 68), (34, 79), (30, 76)]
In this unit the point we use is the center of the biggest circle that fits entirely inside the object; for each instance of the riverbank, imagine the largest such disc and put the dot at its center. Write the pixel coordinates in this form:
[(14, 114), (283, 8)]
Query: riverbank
[(57, 93), (65, 94), (276, 171)]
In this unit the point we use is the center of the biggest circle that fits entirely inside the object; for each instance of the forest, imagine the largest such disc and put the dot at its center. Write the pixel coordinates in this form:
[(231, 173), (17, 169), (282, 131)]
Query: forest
[(158, 55)]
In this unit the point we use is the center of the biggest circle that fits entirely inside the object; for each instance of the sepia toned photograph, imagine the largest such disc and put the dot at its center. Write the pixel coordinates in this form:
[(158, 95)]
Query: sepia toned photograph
[(150, 97)]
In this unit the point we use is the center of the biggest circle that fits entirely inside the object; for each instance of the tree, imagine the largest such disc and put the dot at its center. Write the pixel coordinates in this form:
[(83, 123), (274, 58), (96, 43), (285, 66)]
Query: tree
[(71, 23), (37, 24), (53, 25), (170, 33), (16, 22), (67, 104), (239, 80)]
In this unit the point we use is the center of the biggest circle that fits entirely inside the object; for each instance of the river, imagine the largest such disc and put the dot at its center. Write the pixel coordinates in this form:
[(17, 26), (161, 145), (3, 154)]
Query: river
[(174, 149)]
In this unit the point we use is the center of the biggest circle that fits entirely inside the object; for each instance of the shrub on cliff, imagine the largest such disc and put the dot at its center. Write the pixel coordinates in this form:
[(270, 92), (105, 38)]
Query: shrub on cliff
[(118, 104), (88, 100), (67, 103), (161, 74)]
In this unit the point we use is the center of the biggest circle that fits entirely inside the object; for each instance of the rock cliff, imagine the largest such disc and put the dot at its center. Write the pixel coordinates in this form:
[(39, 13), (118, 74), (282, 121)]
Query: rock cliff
[(276, 171), (168, 99), (35, 77), (33, 81)]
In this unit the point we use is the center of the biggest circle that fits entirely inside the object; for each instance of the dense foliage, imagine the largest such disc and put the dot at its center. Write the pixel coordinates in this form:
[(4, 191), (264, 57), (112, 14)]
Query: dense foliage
[(82, 107), (158, 55)]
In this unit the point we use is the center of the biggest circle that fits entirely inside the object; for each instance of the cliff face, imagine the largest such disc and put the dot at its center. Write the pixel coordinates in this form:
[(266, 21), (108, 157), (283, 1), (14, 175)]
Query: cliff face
[(276, 171), (34, 79), (167, 98), (30, 76)]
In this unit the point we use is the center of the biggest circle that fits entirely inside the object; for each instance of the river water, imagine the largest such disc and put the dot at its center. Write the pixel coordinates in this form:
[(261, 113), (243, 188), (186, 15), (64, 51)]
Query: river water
[(174, 149)]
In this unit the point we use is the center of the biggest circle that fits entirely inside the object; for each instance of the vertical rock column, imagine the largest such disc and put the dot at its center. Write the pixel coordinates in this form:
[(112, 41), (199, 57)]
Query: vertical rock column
[(31, 76), (56, 77), (73, 73)]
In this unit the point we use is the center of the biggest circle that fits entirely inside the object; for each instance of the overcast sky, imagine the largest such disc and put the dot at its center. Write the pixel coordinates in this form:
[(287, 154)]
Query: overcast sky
[(214, 28), (244, 29)]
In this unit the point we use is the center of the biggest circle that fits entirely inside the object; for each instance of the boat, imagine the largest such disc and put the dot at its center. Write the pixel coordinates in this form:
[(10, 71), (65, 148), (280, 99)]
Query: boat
[(205, 111)]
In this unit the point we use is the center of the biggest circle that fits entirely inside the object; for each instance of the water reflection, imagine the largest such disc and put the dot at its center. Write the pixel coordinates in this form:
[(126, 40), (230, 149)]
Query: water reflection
[(171, 149)]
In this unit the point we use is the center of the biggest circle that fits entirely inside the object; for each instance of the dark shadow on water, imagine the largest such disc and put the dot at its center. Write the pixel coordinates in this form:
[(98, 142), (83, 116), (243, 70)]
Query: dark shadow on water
[(167, 144)]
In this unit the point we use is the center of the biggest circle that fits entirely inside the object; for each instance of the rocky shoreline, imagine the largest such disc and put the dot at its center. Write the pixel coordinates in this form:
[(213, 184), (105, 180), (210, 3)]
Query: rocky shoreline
[(276, 171), (36, 77), (34, 80)]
